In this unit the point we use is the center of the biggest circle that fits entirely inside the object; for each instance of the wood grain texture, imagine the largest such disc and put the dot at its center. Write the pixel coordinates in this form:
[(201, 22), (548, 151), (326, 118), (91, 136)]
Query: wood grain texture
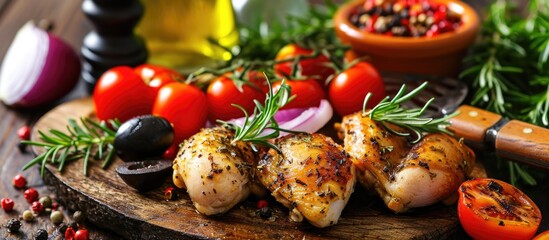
[(525, 142), (70, 26), (472, 123), (116, 206)]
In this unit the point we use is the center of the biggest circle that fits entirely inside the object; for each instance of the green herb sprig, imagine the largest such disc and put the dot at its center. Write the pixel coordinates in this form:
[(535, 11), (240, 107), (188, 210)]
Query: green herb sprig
[(390, 111), (253, 129), (86, 140), (508, 70)]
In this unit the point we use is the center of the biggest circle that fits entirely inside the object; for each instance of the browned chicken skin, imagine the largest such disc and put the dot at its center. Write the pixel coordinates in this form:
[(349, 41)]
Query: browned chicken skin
[(216, 173), (312, 176), (405, 176)]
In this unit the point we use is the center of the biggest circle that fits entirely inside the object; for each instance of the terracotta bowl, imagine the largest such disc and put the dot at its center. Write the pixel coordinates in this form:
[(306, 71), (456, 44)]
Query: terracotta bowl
[(440, 55)]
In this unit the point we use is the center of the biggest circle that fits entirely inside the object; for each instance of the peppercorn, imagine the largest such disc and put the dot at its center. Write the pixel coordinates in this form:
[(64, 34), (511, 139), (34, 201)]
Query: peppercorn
[(37, 207), (69, 233), (22, 147), (62, 228), (54, 206), (41, 234), (417, 18), (31, 195), (262, 203), (24, 133), (46, 202), (28, 216), (170, 194), (57, 217), (13, 225), (73, 225), (81, 234), (19, 181), (78, 217), (265, 212), (7, 204)]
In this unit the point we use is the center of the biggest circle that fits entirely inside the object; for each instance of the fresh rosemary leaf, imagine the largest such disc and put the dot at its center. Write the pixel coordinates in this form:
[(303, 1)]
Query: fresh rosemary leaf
[(253, 129), (411, 119), (34, 161), (508, 71), (83, 140)]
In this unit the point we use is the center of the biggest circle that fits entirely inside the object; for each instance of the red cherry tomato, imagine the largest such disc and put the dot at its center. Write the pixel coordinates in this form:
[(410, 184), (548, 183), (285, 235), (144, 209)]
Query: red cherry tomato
[(308, 93), (349, 88), (493, 209), (184, 106), (542, 236), (317, 68), (222, 93), (148, 71), (157, 76), (123, 92)]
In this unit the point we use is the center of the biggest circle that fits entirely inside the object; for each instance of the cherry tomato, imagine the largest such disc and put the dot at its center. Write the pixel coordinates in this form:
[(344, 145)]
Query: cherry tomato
[(308, 93), (157, 76), (542, 236), (124, 93), (348, 89), (184, 106), (121, 94), (317, 68), (223, 92), (493, 209)]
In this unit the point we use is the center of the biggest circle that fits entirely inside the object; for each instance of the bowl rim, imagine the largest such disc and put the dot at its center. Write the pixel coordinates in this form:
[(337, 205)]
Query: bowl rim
[(469, 17)]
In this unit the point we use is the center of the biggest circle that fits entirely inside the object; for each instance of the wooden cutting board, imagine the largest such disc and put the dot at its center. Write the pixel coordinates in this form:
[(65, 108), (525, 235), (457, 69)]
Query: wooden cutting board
[(109, 203)]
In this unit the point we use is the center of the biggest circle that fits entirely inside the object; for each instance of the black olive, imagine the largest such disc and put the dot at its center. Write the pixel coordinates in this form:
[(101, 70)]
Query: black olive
[(143, 137), (145, 175)]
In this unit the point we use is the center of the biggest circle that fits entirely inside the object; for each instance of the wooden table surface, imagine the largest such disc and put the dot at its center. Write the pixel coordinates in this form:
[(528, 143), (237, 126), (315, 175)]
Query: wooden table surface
[(71, 25)]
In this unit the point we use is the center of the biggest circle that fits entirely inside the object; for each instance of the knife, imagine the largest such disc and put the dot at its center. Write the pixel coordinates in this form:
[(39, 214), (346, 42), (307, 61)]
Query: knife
[(511, 139)]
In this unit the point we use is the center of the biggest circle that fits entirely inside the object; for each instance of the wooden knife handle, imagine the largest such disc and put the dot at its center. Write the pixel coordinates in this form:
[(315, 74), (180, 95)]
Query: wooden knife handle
[(515, 140)]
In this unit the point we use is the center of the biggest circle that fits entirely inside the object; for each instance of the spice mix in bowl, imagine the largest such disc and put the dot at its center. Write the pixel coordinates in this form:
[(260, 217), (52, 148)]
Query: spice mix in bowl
[(409, 36)]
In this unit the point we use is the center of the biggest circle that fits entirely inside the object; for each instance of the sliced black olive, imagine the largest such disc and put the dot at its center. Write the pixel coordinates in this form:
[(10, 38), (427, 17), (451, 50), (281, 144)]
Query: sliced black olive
[(145, 175), (143, 137)]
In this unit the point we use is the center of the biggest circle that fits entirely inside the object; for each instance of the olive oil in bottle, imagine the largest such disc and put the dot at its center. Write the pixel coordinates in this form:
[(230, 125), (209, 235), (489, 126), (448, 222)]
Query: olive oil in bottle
[(177, 32)]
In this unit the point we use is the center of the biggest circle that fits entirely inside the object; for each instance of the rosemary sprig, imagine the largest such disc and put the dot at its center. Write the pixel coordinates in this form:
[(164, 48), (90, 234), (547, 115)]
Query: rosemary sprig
[(253, 129), (314, 30), (508, 70), (86, 140), (390, 111)]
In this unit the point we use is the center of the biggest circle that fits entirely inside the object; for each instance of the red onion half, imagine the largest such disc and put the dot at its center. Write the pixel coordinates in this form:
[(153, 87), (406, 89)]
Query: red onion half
[(38, 68)]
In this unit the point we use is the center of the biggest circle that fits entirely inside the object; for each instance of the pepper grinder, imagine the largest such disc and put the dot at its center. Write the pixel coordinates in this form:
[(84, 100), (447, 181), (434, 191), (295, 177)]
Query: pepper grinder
[(112, 42)]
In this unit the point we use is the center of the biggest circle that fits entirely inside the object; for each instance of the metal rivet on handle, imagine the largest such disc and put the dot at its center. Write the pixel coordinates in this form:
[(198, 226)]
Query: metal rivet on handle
[(527, 130), (473, 113)]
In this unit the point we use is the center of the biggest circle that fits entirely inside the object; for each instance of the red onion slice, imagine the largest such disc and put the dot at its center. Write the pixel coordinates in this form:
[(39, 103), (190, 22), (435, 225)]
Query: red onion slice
[(304, 120)]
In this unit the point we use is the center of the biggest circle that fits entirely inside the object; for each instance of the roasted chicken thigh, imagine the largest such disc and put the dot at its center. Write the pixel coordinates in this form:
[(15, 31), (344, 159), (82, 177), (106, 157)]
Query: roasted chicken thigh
[(405, 175), (311, 175), (215, 172)]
